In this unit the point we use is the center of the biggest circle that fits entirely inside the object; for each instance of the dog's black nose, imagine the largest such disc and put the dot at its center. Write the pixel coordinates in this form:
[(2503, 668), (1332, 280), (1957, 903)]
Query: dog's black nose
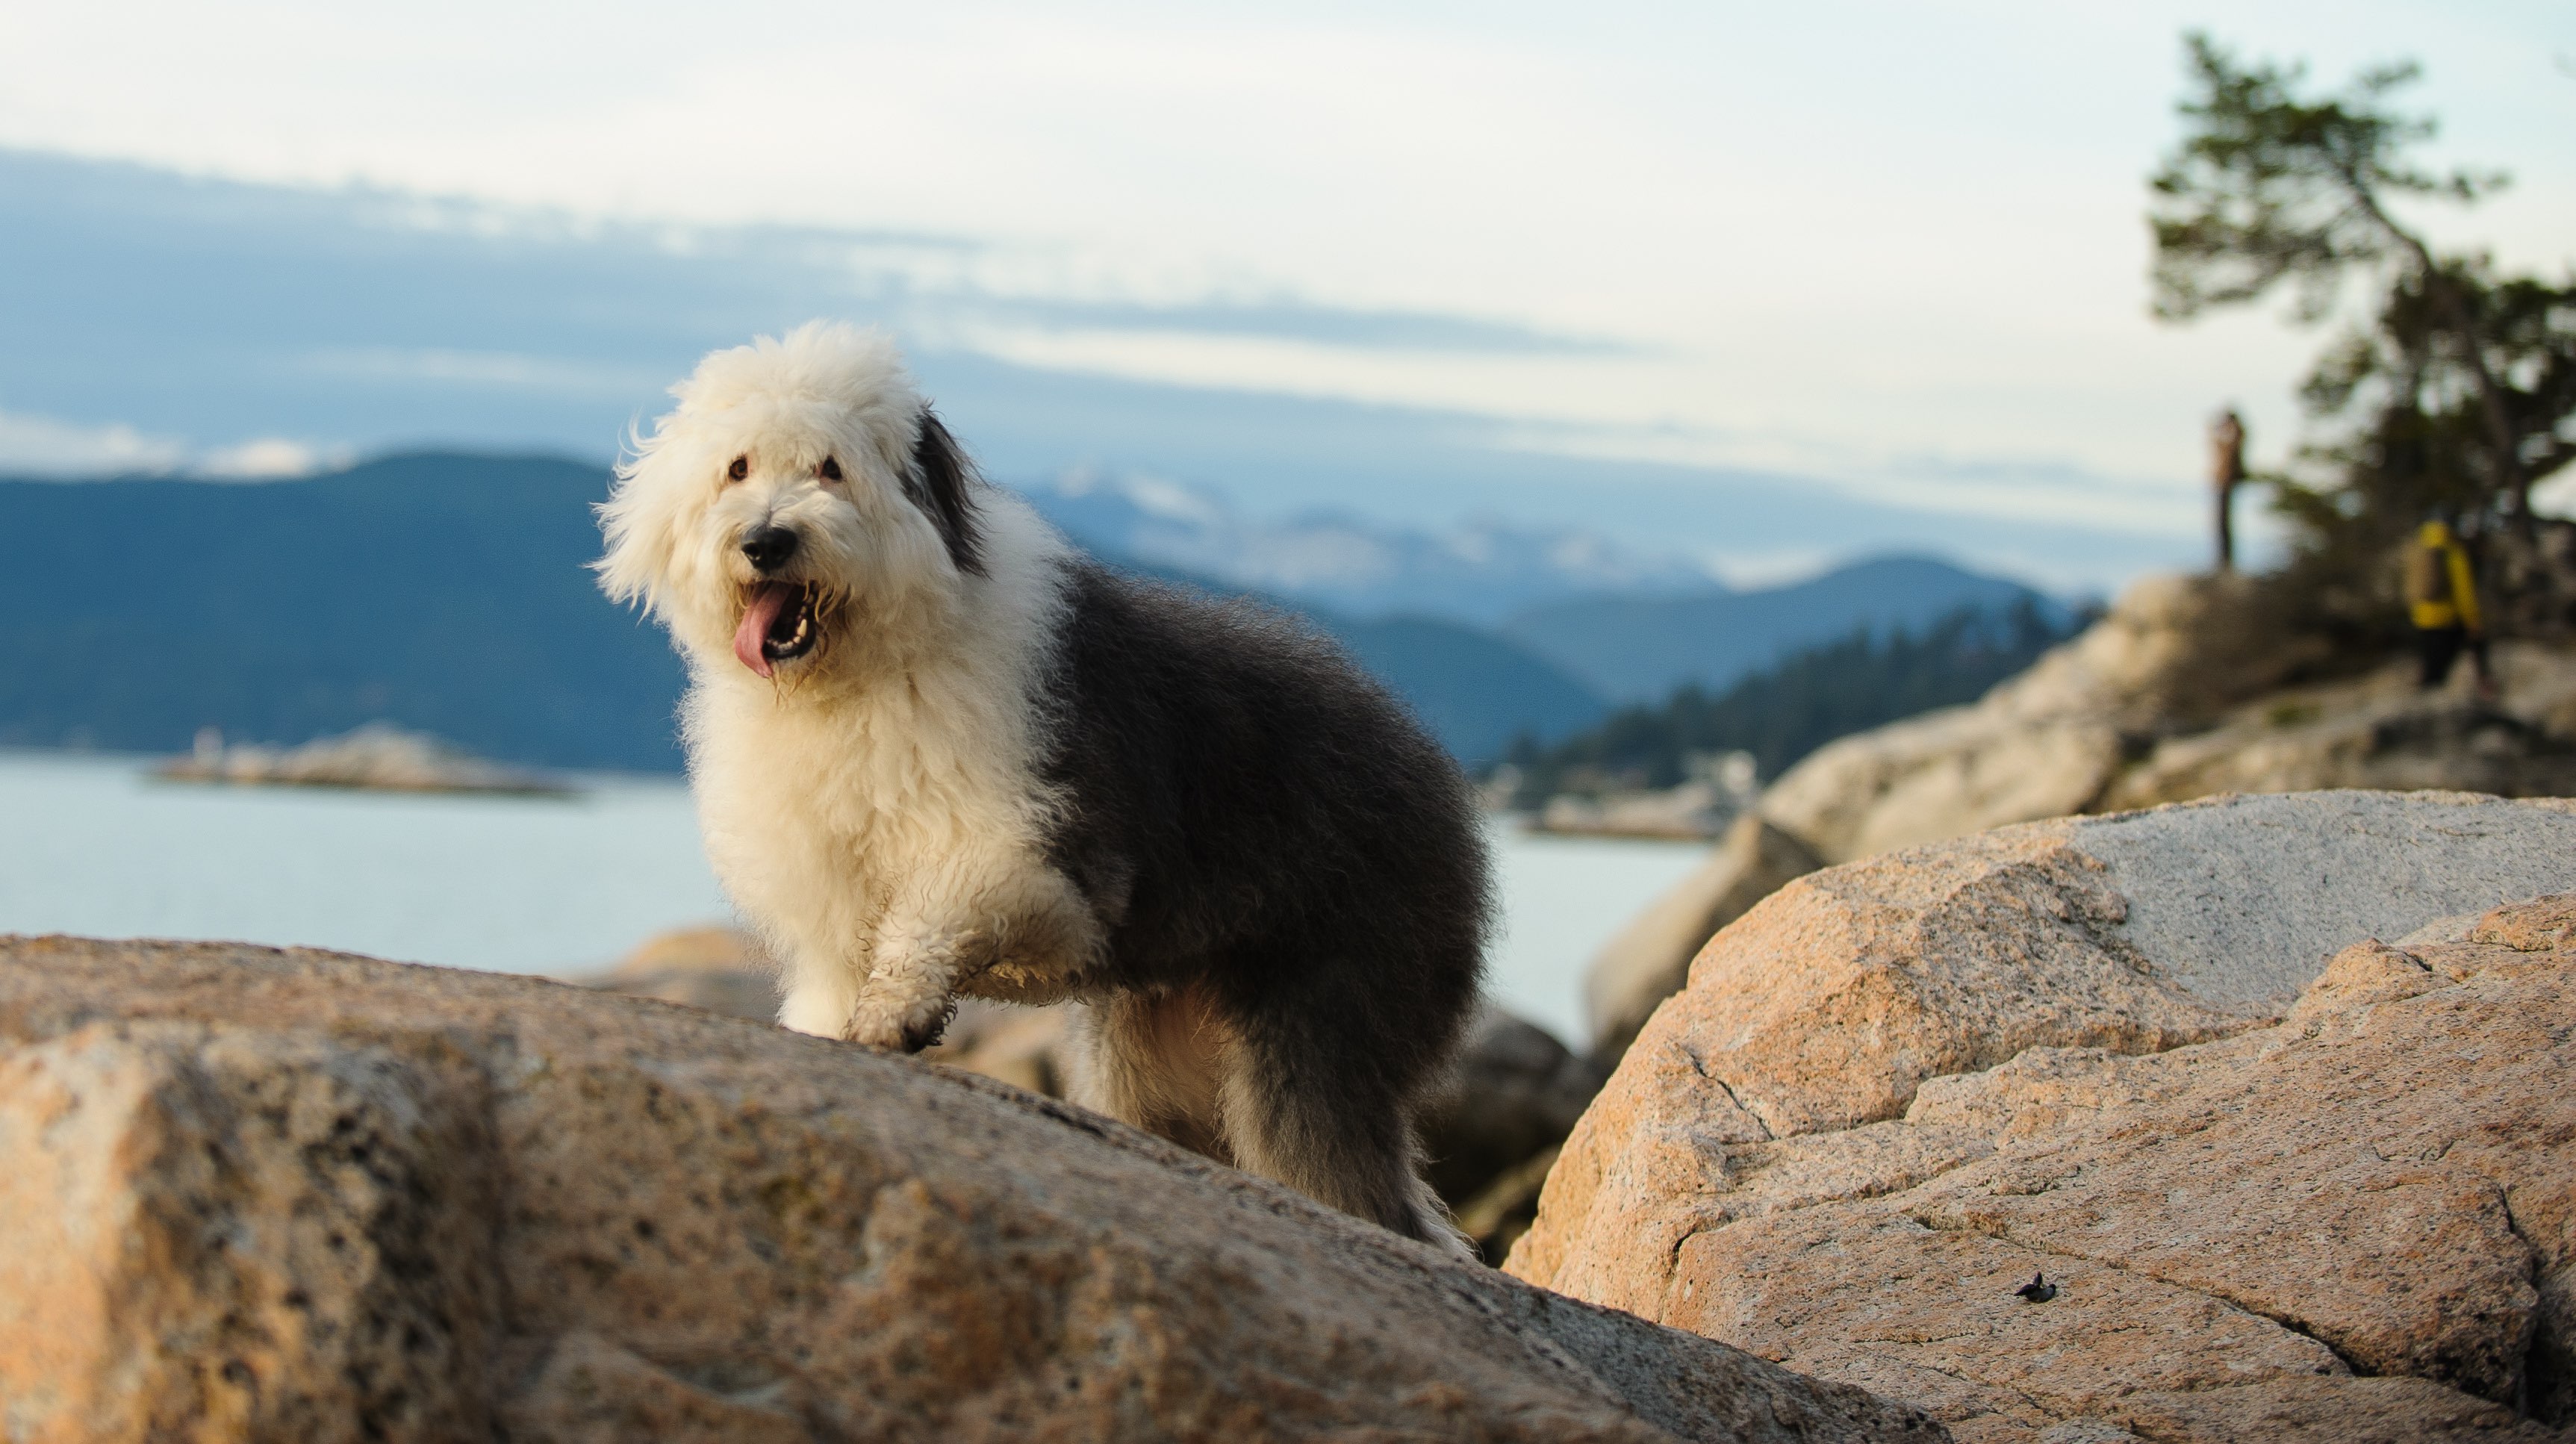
[(769, 547)]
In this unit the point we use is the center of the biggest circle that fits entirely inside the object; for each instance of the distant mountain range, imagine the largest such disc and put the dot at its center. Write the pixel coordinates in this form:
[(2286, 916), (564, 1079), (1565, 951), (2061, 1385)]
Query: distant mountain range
[(1639, 648), (1623, 625), (447, 593), (1482, 573)]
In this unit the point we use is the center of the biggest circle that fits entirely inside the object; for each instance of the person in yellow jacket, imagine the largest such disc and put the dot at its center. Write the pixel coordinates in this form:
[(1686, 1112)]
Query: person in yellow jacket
[(2443, 591)]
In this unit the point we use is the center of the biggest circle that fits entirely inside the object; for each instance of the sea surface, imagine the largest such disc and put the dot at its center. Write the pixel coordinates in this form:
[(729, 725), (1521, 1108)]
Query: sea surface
[(94, 845)]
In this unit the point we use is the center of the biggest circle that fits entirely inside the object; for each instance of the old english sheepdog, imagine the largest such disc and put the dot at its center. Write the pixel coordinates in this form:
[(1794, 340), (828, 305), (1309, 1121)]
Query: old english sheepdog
[(939, 752)]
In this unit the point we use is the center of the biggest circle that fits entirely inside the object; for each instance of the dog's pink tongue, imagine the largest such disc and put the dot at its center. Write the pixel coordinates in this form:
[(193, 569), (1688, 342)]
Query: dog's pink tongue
[(767, 600)]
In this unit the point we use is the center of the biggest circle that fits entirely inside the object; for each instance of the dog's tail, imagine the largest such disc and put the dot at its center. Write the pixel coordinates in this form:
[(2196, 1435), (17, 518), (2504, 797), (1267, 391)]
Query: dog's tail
[(1305, 1102), (1434, 1224)]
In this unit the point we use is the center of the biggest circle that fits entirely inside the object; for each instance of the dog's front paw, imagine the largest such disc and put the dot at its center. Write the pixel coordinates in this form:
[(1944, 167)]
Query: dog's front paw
[(900, 1029), (928, 1034)]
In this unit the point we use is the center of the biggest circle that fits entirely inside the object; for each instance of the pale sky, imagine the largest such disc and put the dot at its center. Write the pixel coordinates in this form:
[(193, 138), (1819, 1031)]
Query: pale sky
[(1897, 246)]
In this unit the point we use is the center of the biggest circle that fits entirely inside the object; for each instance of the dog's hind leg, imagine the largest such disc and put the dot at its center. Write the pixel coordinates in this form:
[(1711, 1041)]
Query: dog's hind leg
[(1153, 1061), (1309, 1099)]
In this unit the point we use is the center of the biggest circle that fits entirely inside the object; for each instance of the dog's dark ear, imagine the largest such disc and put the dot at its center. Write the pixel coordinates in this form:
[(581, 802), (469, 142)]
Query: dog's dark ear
[(942, 484)]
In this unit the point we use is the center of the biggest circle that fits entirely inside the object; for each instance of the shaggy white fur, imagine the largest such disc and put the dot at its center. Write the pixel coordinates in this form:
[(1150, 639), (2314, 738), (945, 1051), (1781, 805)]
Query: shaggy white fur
[(872, 808)]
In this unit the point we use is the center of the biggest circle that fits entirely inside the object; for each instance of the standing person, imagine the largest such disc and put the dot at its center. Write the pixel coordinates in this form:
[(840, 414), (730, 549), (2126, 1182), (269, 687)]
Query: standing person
[(2442, 590), (2226, 473)]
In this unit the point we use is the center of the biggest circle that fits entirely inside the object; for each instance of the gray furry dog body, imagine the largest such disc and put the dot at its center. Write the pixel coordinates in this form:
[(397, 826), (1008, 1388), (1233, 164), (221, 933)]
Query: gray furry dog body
[(938, 752)]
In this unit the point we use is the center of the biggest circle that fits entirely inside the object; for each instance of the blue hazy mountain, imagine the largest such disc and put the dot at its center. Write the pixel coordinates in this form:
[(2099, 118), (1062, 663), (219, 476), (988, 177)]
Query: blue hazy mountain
[(1474, 690), (449, 593), (1640, 648), (445, 593)]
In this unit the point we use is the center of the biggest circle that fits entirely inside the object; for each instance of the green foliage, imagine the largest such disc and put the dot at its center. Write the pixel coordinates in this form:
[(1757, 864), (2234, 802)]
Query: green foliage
[(2268, 187), (1796, 706), (2450, 399)]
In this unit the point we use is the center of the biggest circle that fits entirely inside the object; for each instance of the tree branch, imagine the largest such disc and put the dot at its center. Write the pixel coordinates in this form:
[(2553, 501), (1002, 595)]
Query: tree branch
[(2509, 474)]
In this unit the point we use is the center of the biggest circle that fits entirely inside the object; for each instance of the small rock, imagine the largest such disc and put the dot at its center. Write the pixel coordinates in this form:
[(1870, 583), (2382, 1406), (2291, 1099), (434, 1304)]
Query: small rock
[(713, 967), (1028, 1048), (1496, 1218), (1514, 1094)]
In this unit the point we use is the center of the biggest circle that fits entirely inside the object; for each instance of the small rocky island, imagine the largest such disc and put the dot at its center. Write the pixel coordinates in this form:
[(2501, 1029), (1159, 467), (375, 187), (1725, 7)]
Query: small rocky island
[(377, 757)]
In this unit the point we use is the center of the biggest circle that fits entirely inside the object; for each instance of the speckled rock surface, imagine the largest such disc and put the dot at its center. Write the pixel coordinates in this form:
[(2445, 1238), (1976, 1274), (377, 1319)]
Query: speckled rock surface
[(2332, 1194), (256, 1195), (1649, 959)]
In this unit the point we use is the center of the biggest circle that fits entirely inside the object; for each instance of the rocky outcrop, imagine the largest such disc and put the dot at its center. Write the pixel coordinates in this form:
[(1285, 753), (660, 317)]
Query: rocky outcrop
[(2377, 731), (2176, 694), (301, 1196), (2267, 1194), (2043, 744), (1649, 958)]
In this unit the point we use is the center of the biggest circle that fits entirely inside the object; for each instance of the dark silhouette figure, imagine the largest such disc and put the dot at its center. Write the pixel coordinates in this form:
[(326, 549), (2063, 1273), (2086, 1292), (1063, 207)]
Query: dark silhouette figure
[(2226, 473)]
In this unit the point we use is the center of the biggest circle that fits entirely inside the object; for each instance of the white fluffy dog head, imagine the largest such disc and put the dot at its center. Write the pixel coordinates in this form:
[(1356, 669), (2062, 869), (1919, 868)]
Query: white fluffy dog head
[(801, 503)]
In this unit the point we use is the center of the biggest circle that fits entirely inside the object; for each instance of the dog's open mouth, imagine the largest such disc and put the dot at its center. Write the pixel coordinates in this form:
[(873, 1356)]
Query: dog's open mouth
[(781, 621)]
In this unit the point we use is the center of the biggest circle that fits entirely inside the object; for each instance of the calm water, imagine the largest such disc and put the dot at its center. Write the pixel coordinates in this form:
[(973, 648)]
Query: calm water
[(531, 885)]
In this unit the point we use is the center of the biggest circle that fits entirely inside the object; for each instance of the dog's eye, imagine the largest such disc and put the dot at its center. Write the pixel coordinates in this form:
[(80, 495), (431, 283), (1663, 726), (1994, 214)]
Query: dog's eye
[(741, 468), (831, 468)]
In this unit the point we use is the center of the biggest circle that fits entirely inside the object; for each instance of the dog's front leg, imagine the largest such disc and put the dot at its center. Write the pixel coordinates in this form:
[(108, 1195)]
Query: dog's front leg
[(911, 990)]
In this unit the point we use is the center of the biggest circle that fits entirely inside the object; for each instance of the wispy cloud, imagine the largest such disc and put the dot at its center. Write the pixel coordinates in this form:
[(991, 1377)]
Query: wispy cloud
[(41, 445), (506, 370)]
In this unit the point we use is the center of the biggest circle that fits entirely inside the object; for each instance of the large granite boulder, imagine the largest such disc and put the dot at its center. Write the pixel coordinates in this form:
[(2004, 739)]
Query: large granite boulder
[(2285, 1179), (285, 1196)]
